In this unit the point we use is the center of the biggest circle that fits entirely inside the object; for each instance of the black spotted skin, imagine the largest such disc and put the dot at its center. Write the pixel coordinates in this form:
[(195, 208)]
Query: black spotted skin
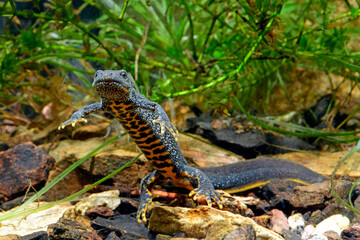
[(147, 123)]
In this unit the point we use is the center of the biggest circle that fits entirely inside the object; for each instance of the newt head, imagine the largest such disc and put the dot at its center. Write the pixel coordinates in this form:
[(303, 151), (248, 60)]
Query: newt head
[(110, 84)]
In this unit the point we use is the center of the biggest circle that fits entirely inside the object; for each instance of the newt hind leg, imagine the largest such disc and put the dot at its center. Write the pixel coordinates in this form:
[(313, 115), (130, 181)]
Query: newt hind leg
[(146, 196), (204, 187)]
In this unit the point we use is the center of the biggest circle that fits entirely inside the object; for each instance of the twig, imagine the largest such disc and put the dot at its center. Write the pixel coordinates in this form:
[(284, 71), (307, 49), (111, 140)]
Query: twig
[(192, 42), (138, 52)]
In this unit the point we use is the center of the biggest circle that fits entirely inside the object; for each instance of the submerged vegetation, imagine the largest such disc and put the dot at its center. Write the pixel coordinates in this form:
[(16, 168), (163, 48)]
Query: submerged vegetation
[(204, 52), (227, 55)]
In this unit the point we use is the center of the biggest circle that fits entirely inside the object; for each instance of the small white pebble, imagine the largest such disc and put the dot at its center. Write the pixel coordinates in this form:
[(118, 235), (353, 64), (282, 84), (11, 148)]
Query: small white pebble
[(336, 223), (308, 231), (296, 222)]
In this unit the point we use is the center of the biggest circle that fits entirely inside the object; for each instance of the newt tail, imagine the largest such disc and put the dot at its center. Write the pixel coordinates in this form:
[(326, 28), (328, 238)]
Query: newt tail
[(147, 123)]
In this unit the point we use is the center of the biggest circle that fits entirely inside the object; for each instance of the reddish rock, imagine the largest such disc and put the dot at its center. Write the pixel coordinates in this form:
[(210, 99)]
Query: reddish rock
[(101, 211), (278, 221), (22, 165), (351, 233)]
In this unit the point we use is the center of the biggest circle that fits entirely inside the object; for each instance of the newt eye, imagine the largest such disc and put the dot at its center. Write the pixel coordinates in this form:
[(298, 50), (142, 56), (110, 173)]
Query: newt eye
[(123, 74)]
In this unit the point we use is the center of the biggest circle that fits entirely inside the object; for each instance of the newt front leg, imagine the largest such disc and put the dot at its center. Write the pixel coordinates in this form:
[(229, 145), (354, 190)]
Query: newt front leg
[(79, 116)]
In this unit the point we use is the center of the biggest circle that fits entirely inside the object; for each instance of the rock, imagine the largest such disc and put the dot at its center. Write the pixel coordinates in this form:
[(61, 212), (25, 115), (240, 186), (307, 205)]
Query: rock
[(89, 131), (291, 235), (104, 162), (126, 225), (278, 221), (262, 207), (112, 236), (310, 233), (315, 195), (109, 199), (100, 211), (278, 192), (316, 217), (337, 208), (296, 223), (18, 201), (35, 222), (203, 154), (314, 115), (127, 206), (70, 230), (351, 233), (199, 221), (262, 220), (21, 166), (10, 237), (245, 233), (229, 134), (324, 162), (332, 235), (42, 235), (335, 223)]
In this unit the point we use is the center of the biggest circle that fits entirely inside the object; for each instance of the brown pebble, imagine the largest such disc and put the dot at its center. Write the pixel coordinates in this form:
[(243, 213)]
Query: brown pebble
[(262, 220), (101, 211), (351, 233), (332, 235)]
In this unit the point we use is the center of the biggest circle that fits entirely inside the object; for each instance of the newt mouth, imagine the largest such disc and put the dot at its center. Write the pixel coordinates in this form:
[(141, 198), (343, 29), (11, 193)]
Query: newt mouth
[(99, 82)]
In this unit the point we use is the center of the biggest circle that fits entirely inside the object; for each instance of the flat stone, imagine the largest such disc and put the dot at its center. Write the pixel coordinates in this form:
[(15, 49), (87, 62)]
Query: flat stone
[(108, 199), (126, 225), (89, 131), (197, 222), (325, 162), (34, 222)]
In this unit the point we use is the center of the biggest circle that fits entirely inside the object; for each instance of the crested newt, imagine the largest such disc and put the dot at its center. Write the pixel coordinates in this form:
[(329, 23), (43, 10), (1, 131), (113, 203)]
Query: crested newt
[(147, 123)]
